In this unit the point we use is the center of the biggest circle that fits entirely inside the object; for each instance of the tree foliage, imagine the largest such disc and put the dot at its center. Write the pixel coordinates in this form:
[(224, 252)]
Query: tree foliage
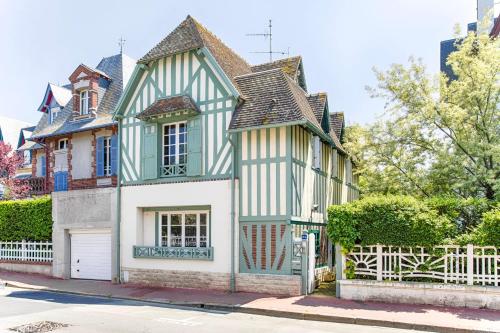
[(439, 136), (9, 162)]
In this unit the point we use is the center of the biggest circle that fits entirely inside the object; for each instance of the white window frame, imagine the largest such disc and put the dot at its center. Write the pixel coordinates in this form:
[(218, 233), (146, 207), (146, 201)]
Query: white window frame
[(177, 143), (107, 155), (84, 102), (168, 241), (65, 142), (54, 113)]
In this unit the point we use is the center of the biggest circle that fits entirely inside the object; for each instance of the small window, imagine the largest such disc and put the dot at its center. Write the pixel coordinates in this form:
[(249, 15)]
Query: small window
[(174, 144), (54, 112), (184, 229), (84, 102), (27, 157), (107, 156), (62, 144)]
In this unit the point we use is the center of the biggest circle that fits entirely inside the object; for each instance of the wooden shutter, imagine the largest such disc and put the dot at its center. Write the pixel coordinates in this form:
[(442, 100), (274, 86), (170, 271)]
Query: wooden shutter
[(149, 151), (194, 147), (100, 157), (114, 154)]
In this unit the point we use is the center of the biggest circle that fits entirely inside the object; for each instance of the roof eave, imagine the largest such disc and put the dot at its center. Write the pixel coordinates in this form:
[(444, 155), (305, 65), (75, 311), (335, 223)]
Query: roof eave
[(290, 123)]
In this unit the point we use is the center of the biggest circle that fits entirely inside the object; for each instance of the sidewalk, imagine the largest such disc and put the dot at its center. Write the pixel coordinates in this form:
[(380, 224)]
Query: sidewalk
[(322, 308)]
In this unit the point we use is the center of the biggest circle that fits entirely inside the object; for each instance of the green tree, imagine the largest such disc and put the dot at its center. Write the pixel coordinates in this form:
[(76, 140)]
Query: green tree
[(438, 136)]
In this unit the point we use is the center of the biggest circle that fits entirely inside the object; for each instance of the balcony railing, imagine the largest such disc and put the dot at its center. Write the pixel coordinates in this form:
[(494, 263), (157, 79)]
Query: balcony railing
[(173, 170), (37, 186), (159, 252)]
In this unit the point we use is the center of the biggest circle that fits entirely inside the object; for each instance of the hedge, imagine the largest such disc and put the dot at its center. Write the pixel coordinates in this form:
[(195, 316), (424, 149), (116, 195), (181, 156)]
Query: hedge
[(29, 219), (487, 231), (388, 220)]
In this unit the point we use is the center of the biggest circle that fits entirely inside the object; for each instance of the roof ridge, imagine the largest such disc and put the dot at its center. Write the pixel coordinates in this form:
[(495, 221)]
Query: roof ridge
[(205, 29)]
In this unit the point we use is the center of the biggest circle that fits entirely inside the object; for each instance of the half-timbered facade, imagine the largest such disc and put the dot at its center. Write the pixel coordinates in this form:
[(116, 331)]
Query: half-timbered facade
[(222, 165)]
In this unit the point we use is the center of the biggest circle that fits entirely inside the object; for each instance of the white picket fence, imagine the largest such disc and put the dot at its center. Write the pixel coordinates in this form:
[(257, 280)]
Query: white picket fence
[(26, 251), (471, 265)]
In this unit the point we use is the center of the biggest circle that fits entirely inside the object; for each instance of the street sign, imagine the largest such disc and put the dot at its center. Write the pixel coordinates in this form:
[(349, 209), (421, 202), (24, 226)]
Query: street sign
[(304, 236)]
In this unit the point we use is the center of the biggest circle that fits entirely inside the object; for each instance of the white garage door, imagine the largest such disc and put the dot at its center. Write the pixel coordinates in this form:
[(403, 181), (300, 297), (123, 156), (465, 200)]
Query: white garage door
[(91, 256)]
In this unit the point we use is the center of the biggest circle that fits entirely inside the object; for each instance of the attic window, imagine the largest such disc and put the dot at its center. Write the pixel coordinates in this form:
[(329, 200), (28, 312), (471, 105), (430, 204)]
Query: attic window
[(84, 102), (54, 112)]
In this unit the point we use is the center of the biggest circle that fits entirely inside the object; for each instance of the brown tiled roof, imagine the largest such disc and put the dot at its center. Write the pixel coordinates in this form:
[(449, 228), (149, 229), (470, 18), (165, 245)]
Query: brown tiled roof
[(289, 66), (191, 35), (496, 28), (169, 105), (318, 104), (271, 97), (337, 123)]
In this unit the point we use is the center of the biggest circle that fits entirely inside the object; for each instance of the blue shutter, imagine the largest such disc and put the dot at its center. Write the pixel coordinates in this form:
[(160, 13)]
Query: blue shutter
[(149, 165), (114, 154), (43, 165), (194, 147), (100, 156), (60, 181)]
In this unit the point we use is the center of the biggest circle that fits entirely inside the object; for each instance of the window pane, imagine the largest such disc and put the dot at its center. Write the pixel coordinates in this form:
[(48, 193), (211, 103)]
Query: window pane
[(203, 219), (190, 237), (164, 230), (203, 236)]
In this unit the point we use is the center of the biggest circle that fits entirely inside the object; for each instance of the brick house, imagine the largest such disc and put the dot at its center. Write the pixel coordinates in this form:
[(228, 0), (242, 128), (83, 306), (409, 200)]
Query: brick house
[(74, 157)]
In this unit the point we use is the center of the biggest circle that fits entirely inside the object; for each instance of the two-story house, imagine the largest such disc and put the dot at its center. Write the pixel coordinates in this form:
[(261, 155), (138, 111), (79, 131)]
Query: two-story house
[(222, 165), (74, 157)]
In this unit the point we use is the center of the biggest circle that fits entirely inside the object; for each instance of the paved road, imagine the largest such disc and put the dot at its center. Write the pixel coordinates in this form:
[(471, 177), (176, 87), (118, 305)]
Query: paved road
[(94, 314)]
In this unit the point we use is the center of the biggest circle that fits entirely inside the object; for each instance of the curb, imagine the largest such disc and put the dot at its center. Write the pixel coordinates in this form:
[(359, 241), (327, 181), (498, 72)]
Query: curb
[(263, 312)]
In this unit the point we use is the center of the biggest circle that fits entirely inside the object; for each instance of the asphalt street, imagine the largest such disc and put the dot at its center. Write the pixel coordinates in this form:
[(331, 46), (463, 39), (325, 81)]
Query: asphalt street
[(94, 314)]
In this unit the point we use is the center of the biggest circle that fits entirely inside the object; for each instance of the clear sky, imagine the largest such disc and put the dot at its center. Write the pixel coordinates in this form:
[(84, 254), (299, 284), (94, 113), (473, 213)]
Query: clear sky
[(340, 40)]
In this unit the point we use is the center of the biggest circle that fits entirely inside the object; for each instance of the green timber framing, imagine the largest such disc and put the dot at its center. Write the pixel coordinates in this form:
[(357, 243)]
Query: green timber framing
[(274, 220)]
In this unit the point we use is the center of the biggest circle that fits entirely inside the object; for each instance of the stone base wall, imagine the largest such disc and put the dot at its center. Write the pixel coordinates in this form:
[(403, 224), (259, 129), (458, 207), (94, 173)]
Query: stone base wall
[(176, 279), (289, 285), (421, 293), (26, 267), (245, 282)]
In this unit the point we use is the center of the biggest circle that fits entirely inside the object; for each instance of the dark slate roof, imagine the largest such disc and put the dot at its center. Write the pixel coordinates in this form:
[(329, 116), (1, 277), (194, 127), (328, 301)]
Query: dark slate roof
[(271, 97), (191, 35), (318, 104), (289, 65), (119, 68), (337, 123), (169, 105)]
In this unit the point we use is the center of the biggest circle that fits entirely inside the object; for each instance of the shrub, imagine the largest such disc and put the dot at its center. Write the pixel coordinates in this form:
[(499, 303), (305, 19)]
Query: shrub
[(29, 219), (487, 233), (388, 220), (464, 213)]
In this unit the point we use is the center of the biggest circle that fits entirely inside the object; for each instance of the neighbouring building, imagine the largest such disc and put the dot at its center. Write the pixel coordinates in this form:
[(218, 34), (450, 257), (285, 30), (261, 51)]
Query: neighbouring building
[(24, 148), (485, 8), (74, 157), (222, 166)]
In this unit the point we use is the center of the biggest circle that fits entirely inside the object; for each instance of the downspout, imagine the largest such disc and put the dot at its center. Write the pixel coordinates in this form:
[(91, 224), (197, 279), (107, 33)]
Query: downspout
[(233, 202), (118, 203)]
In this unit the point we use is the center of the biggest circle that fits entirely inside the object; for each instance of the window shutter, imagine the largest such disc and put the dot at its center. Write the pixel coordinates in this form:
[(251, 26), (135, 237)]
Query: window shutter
[(114, 154), (149, 152), (194, 147), (60, 181), (64, 181), (56, 181), (100, 156), (316, 152), (43, 165)]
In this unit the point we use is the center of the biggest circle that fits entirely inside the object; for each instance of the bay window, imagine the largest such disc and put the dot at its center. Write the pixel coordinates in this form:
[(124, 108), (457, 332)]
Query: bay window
[(184, 229)]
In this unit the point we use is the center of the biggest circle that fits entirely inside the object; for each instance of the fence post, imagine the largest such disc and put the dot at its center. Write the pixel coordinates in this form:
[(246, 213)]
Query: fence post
[(379, 262), (470, 264), (304, 263), (23, 250), (339, 268)]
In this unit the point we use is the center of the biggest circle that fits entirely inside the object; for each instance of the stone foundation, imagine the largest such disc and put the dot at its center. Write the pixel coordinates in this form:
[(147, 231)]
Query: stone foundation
[(26, 267), (261, 283), (289, 285), (177, 279)]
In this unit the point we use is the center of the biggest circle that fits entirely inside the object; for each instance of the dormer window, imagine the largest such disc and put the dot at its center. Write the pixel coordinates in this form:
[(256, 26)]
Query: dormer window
[(62, 144), (84, 102), (54, 112)]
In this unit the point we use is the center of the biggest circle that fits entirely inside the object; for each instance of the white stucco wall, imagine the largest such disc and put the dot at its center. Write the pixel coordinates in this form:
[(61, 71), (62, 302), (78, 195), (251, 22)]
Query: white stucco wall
[(61, 160), (81, 155), (137, 227), (39, 155)]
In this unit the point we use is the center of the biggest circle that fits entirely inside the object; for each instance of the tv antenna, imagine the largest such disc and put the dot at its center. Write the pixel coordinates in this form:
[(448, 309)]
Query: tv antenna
[(269, 35), (121, 42)]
